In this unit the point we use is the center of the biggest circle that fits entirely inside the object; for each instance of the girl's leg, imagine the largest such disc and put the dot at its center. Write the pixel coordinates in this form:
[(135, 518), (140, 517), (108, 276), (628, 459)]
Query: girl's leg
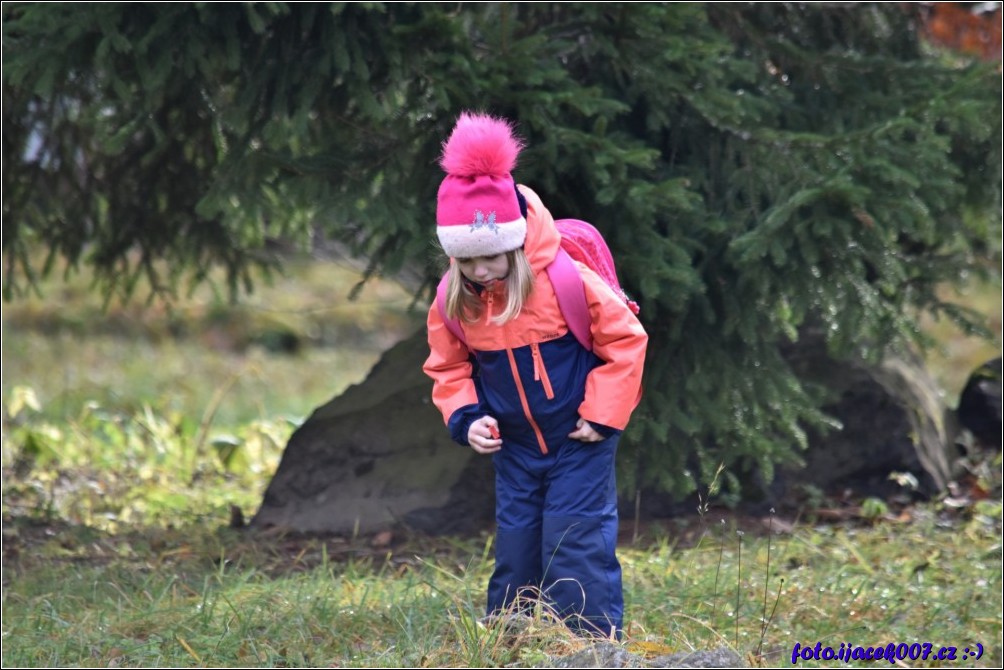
[(519, 500), (582, 576), (517, 570)]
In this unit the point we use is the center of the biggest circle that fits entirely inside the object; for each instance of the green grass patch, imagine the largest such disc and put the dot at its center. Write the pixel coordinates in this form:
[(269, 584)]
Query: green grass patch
[(293, 344), (211, 597), (935, 577), (125, 414)]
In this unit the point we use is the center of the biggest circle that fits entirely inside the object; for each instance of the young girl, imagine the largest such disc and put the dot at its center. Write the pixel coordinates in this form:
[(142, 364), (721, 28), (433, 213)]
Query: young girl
[(523, 389)]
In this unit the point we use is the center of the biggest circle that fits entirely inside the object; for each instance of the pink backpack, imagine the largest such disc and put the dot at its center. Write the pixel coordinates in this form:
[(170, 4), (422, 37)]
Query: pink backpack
[(580, 241)]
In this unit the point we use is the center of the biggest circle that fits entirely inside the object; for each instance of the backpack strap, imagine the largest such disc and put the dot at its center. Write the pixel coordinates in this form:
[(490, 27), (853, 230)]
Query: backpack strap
[(453, 325), (571, 294)]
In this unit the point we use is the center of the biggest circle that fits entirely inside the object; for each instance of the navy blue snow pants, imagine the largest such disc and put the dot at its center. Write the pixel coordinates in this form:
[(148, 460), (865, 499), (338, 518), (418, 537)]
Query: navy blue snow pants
[(557, 533)]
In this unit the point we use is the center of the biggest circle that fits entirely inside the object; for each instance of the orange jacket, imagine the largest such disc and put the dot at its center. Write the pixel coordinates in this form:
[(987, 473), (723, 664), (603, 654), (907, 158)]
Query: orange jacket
[(533, 376)]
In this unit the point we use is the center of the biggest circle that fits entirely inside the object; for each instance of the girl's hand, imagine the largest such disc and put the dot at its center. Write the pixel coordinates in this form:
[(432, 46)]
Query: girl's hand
[(479, 436), (584, 432)]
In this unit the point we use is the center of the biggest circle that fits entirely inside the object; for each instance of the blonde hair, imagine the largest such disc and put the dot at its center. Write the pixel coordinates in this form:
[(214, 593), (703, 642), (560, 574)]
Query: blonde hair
[(464, 303)]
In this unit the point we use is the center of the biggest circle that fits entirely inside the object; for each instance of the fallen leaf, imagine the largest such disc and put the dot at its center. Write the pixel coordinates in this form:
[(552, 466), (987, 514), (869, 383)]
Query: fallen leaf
[(649, 649), (382, 539)]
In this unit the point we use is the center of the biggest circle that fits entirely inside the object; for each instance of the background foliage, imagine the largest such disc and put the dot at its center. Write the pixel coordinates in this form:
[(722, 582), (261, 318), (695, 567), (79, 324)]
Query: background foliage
[(763, 172)]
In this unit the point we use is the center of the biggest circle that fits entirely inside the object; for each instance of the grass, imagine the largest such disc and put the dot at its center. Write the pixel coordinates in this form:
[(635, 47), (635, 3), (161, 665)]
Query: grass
[(72, 350), (134, 413), (200, 596), (120, 478), (864, 585)]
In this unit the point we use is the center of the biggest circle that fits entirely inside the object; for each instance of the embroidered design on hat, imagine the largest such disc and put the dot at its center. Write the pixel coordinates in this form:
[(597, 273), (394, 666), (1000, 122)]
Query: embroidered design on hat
[(481, 222)]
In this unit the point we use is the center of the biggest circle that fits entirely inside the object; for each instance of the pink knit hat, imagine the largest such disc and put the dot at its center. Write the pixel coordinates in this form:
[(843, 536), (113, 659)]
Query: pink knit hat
[(478, 212)]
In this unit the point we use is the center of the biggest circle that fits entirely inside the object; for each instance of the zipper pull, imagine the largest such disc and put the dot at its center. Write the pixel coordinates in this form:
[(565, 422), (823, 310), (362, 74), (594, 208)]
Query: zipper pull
[(488, 312), (540, 371)]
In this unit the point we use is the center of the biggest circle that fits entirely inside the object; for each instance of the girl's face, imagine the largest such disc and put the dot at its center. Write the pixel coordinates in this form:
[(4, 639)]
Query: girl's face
[(484, 269)]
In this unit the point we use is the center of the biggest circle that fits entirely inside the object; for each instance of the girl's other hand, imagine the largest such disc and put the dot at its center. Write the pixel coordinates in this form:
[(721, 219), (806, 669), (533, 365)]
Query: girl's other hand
[(479, 436), (584, 432)]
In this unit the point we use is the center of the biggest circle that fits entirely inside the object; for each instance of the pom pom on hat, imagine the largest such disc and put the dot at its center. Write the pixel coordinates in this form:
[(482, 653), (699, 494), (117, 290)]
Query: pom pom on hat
[(478, 212), (480, 145)]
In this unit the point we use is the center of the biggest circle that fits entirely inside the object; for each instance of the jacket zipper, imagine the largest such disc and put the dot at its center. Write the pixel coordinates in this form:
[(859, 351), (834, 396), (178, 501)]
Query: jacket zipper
[(540, 371), (519, 382)]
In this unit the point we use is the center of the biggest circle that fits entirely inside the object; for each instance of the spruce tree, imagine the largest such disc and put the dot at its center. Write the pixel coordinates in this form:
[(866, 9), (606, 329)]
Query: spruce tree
[(762, 171)]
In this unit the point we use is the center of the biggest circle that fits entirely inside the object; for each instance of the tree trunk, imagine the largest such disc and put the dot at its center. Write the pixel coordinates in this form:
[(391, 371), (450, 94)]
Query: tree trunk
[(379, 456)]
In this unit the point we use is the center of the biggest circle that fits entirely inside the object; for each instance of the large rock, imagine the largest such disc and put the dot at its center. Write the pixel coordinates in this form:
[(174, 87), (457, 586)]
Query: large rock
[(894, 420), (379, 455), (979, 409)]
